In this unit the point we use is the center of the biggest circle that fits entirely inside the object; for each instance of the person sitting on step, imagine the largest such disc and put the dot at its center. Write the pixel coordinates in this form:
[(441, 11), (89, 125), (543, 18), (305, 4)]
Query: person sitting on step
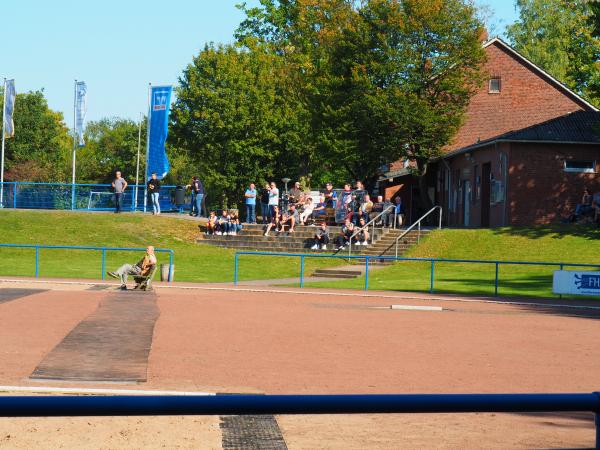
[(345, 236), (275, 219), (364, 235), (290, 218), (211, 225), (142, 267), (321, 237), (234, 223)]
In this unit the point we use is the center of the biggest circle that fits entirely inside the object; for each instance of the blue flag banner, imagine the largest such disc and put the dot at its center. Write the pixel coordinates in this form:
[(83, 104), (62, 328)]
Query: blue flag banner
[(80, 110), (9, 106), (160, 104)]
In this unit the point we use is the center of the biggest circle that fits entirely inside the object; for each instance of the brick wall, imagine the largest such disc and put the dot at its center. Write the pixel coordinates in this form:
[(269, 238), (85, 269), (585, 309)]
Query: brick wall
[(540, 191), (526, 98)]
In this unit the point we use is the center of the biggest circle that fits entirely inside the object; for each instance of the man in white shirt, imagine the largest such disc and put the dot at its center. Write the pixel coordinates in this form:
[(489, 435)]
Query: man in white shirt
[(273, 197)]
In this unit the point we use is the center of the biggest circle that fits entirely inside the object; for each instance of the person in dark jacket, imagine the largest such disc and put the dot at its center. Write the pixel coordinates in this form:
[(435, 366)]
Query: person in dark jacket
[(264, 204), (154, 193), (197, 190)]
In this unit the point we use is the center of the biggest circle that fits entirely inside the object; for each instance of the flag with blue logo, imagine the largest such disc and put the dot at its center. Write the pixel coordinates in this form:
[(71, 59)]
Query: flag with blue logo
[(80, 110), (160, 104), (10, 94)]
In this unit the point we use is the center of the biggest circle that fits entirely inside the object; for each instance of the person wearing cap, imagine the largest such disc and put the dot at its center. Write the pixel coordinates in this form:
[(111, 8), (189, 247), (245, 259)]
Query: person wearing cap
[(142, 267)]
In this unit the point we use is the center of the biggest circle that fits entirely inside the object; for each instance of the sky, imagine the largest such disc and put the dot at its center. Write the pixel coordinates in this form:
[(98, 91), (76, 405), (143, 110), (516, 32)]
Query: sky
[(119, 47)]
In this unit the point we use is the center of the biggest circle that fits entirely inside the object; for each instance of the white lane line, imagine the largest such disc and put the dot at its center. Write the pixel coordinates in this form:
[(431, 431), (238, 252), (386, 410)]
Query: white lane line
[(59, 390), (336, 294), (417, 308)]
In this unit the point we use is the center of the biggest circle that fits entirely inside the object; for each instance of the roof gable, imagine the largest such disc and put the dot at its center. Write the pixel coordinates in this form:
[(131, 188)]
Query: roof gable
[(541, 72)]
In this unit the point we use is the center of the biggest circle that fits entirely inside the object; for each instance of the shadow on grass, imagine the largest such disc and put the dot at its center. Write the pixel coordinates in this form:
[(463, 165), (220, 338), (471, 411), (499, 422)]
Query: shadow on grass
[(555, 231)]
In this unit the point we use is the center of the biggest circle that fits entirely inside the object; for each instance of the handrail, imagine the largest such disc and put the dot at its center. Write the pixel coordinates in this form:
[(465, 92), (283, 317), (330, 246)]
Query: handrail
[(418, 224), (37, 248), (135, 405), (372, 221)]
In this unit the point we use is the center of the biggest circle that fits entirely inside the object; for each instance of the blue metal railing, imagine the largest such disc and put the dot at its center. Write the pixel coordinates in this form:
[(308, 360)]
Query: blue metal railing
[(432, 262), (89, 197), (37, 248), (25, 406)]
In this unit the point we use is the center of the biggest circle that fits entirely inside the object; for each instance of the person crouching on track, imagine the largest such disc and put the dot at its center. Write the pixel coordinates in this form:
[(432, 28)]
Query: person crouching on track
[(321, 237), (142, 267)]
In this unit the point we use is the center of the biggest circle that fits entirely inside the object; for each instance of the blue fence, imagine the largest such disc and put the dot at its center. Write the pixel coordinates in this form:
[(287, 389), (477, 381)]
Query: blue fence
[(103, 251), (25, 406), (432, 262), (91, 197)]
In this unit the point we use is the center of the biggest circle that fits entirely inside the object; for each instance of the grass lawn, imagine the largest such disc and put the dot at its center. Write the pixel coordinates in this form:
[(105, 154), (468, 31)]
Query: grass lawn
[(560, 243), (193, 262)]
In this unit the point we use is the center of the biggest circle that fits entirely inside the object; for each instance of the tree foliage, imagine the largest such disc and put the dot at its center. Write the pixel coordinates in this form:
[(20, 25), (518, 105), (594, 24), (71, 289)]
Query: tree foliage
[(562, 37), (41, 144)]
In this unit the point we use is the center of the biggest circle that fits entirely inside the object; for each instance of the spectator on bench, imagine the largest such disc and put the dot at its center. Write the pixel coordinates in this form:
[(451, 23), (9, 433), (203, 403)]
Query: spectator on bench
[(345, 236), (295, 194), (234, 224), (306, 213), (585, 206), (399, 211), (142, 267), (321, 209), (364, 235), (223, 224), (321, 237)]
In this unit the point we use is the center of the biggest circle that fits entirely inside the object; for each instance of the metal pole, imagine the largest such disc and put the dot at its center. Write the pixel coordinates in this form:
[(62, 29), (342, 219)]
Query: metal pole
[(432, 276), (561, 268), (74, 144), (3, 139), (15, 195), (302, 271), (170, 277), (235, 269), (37, 261), (496, 282), (147, 145), (366, 273), (597, 415), (137, 170), (103, 262), (440, 224), (419, 233)]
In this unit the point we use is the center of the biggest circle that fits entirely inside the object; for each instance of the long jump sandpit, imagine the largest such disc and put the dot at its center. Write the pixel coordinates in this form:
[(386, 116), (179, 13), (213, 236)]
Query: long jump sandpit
[(219, 340)]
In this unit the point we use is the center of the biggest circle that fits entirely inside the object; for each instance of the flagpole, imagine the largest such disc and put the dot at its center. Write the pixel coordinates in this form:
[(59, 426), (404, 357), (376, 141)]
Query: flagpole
[(74, 143), (3, 138), (147, 145), (137, 170)]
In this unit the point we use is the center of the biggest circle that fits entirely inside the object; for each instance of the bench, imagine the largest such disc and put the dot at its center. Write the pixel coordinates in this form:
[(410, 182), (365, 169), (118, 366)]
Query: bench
[(144, 282)]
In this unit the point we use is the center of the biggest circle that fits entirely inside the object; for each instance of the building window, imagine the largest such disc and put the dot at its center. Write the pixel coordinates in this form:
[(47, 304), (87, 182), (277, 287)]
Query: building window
[(494, 86), (578, 166)]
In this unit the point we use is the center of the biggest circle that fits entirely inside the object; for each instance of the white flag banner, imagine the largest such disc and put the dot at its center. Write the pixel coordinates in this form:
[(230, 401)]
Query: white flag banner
[(9, 106), (80, 110)]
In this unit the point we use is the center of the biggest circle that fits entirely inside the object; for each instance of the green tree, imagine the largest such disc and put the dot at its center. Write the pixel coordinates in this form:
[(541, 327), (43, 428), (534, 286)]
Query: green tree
[(233, 122), (382, 79), (40, 147), (562, 38), (110, 145)]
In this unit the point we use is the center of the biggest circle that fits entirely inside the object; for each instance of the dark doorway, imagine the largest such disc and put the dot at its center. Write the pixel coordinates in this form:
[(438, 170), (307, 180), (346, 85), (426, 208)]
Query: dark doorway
[(486, 171)]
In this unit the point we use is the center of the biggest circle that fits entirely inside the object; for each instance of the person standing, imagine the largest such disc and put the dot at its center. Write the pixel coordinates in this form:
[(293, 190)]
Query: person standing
[(154, 191), (197, 190), (273, 198), (250, 196), (119, 185), (264, 204)]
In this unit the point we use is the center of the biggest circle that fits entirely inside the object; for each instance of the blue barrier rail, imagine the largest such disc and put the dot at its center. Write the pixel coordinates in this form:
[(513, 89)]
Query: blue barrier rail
[(38, 247), (432, 261), (89, 197), (44, 406)]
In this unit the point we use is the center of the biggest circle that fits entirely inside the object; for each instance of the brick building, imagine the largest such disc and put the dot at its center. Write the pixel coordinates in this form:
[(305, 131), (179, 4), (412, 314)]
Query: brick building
[(527, 148)]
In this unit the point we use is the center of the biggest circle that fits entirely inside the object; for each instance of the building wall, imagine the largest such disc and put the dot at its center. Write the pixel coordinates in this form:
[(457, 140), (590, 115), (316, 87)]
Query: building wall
[(465, 187), (525, 99), (539, 190)]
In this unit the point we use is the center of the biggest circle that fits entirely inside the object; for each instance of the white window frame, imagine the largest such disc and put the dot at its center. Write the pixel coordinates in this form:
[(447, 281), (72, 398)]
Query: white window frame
[(494, 91), (591, 169)]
